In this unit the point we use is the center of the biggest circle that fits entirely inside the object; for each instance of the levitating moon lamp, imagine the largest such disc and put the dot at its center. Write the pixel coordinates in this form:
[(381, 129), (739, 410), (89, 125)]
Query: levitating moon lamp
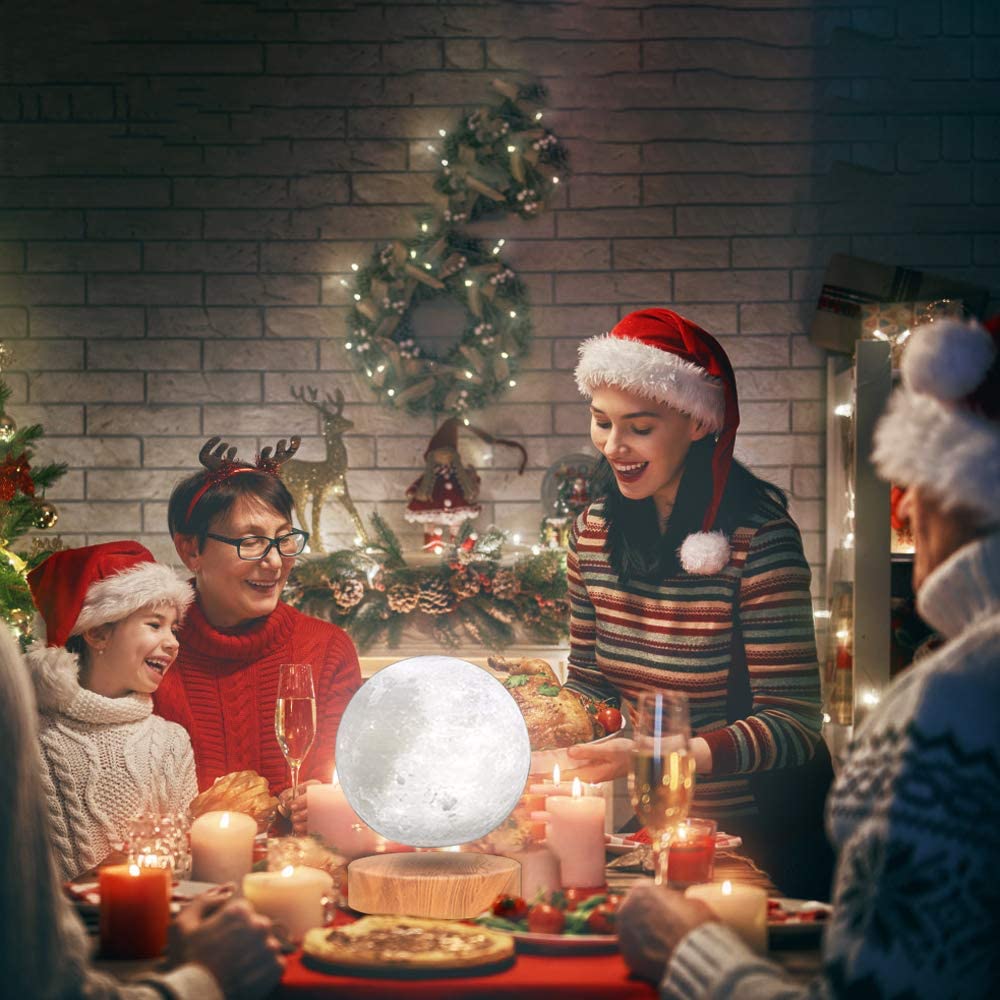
[(432, 751)]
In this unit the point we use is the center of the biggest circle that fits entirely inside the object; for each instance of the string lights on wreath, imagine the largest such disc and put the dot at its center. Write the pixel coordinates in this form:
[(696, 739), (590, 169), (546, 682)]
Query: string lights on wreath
[(499, 160)]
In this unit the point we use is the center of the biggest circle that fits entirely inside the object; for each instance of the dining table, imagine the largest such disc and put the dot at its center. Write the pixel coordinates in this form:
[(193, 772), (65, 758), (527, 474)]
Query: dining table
[(602, 976)]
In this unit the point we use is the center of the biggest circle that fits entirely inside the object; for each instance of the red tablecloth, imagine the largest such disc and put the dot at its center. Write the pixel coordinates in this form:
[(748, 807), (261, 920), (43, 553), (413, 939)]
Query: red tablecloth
[(532, 977)]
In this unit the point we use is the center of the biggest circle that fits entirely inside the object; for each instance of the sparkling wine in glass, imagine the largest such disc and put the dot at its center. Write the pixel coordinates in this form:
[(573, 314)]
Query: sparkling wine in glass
[(661, 778), (295, 716)]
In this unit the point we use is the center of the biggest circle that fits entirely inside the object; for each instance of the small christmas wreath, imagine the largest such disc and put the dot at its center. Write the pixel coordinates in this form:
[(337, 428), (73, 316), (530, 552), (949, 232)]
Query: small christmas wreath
[(499, 161)]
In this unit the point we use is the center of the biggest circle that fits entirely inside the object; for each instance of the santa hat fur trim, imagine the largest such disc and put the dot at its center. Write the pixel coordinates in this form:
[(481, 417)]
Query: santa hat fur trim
[(55, 672), (653, 373), (934, 434), (118, 596)]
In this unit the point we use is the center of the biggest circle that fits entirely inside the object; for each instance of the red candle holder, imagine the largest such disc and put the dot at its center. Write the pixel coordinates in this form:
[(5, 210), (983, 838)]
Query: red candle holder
[(692, 852)]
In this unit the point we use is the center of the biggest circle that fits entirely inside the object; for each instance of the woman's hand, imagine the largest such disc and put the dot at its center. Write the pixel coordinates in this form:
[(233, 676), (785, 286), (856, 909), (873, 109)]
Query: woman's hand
[(605, 762), (235, 944), (295, 808), (652, 922)]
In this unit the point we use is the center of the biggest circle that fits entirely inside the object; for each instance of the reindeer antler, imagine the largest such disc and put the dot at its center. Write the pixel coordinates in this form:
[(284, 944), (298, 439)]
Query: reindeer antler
[(281, 454), (214, 460)]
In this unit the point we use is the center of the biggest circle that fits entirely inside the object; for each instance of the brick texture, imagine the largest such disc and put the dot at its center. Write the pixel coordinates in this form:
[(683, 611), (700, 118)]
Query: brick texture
[(183, 190)]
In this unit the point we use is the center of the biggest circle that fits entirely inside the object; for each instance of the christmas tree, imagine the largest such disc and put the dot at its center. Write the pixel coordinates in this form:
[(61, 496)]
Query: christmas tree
[(22, 508)]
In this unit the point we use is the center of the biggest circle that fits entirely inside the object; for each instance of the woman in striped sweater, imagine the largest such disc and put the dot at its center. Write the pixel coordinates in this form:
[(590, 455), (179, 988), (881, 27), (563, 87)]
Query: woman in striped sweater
[(688, 574)]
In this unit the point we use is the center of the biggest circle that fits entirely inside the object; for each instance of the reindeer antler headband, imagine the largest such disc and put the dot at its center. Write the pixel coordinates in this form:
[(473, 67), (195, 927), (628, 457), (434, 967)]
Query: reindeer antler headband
[(221, 464)]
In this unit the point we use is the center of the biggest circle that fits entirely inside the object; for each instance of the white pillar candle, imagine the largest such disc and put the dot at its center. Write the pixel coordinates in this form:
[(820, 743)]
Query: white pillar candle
[(330, 815), (557, 787), (222, 846), (539, 870), (742, 908), (293, 898), (576, 836)]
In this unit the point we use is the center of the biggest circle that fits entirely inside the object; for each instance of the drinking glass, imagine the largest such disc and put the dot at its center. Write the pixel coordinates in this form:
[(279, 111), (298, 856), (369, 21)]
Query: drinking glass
[(661, 777), (295, 716)]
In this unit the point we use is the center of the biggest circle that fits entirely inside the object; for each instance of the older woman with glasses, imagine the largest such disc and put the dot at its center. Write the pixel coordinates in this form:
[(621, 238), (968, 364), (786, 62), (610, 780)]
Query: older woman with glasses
[(232, 527)]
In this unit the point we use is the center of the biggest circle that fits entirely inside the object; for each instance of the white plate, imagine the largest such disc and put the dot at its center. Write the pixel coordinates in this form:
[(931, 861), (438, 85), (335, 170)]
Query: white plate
[(542, 761), (564, 944), (794, 926), (87, 894)]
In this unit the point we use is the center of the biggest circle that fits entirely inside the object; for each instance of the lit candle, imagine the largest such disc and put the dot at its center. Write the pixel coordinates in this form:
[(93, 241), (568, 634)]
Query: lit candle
[(557, 787), (135, 910), (330, 815), (293, 898), (576, 836), (742, 908), (222, 846), (692, 852)]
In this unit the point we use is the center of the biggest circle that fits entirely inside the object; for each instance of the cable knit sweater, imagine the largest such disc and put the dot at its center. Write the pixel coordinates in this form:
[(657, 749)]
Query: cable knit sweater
[(106, 760), (224, 685), (915, 817)]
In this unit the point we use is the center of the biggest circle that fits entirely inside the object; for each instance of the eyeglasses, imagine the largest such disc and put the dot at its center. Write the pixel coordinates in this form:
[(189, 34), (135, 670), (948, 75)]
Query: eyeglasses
[(253, 548)]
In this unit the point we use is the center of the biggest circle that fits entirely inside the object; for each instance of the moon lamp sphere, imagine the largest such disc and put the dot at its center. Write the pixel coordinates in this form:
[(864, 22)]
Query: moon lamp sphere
[(433, 751)]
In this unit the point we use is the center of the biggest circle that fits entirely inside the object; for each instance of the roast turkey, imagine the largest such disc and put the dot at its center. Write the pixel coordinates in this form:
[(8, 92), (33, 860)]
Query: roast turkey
[(555, 717)]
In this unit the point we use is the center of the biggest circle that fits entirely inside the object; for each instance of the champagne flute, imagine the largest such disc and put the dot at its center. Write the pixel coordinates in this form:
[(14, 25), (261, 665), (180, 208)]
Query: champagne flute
[(295, 716), (661, 778)]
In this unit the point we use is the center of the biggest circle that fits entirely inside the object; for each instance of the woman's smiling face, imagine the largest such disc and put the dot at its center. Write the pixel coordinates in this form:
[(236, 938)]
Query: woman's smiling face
[(644, 441)]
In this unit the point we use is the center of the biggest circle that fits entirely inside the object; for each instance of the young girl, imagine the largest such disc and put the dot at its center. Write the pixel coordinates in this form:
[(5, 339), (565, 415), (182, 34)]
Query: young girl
[(111, 614)]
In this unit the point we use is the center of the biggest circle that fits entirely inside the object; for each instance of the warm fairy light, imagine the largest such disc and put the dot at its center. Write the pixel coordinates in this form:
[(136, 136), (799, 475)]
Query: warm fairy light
[(516, 539), (430, 148), (380, 368), (903, 337), (843, 410), (500, 243), (134, 871), (512, 383), (870, 697), (465, 420), (391, 392), (427, 266), (444, 163), (504, 355), (438, 550), (512, 149), (727, 888), (555, 180), (354, 267), (468, 374), (349, 345), (538, 116), (357, 297), (413, 253), (442, 132), (513, 314), (826, 718), (358, 540), (468, 282), (496, 250), (843, 634), (535, 550), (343, 282), (288, 871), (224, 821), (822, 614), (879, 335), (423, 227), (849, 540)]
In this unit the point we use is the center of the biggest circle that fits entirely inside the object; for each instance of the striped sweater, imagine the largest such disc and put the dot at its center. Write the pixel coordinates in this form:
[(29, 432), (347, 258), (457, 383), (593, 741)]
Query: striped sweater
[(688, 633)]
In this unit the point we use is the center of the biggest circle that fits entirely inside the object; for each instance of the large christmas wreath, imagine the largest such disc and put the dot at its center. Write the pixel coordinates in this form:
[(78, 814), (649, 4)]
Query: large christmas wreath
[(499, 160), (471, 595)]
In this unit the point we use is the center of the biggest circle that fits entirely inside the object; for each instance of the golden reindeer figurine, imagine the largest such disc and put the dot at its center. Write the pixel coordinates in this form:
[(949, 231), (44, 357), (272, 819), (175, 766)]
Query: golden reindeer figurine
[(315, 481)]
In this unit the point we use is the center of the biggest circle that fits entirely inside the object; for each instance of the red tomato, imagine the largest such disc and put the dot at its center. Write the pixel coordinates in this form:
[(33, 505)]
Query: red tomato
[(601, 919), (546, 919), (610, 718), (509, 907)]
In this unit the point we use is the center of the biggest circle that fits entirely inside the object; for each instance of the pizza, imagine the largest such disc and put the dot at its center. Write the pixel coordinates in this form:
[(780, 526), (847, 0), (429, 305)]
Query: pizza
[(410, 945)]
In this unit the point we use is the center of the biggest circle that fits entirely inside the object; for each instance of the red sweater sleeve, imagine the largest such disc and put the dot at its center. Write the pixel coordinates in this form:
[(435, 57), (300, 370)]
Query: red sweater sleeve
[(337, 676)]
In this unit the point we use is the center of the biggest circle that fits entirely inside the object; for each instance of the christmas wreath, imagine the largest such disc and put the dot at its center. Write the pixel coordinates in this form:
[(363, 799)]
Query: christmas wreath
[(470, 595), (499, 160)]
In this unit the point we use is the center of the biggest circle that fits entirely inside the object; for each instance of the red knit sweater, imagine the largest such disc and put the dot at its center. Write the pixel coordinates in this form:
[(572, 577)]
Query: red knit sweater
[(223, 687)]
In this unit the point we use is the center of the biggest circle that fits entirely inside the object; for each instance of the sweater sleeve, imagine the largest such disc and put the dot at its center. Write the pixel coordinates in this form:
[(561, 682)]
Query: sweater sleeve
[(339, 677), (779, 643), (185, 784), (583, 675)]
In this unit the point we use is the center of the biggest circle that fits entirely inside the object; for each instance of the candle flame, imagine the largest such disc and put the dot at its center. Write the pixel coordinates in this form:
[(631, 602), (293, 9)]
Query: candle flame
[(134, 870), (555, 775), (335, 780), (682, 831), (224, 821), (727, 888), (287, 872), (577, 789)]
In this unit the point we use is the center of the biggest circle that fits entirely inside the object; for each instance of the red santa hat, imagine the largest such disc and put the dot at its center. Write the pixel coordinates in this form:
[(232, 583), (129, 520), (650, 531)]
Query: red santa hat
[(657, 354), (78, 589), (941, 431)]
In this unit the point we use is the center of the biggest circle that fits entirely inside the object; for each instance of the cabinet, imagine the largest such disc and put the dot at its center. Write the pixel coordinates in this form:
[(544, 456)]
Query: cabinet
[(858, 541)]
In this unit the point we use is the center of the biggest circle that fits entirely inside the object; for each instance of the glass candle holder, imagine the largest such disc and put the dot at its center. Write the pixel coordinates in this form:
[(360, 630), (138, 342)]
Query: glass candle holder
[(692, 852), (161, 841)]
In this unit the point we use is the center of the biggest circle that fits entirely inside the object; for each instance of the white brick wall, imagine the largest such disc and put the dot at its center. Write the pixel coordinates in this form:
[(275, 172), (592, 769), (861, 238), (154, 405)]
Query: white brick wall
[(182, 193)]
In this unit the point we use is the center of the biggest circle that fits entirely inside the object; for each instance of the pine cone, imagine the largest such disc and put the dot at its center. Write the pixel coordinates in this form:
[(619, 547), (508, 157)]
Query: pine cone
[(500, 614), (505, 585), (435, 597), (402, 597), (464, 583), (347, 593)]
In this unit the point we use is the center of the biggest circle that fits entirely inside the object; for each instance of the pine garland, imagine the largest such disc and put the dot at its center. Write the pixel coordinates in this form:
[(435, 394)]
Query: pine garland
[(537, 601)]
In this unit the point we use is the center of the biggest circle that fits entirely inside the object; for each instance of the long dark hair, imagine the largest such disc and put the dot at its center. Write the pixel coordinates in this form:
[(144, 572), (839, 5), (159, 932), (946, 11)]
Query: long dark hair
[(638, 550)]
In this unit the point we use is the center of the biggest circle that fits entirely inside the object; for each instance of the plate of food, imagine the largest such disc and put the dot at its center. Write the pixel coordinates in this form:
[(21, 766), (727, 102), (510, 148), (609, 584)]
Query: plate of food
[(793, 918), (407, 948), (556, 718), (556, 924)]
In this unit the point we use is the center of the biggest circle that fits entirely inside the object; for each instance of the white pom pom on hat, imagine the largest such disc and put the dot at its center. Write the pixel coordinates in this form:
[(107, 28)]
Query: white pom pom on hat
[(705, 552), (947, 360)]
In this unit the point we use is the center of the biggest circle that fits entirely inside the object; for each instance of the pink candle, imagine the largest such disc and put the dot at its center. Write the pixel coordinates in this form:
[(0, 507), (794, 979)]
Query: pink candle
[(576, 836), (330, 815), (557, 787)]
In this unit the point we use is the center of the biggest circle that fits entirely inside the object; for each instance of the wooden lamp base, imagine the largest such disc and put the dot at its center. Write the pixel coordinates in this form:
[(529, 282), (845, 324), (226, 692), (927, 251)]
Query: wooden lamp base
[(444, 884)]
